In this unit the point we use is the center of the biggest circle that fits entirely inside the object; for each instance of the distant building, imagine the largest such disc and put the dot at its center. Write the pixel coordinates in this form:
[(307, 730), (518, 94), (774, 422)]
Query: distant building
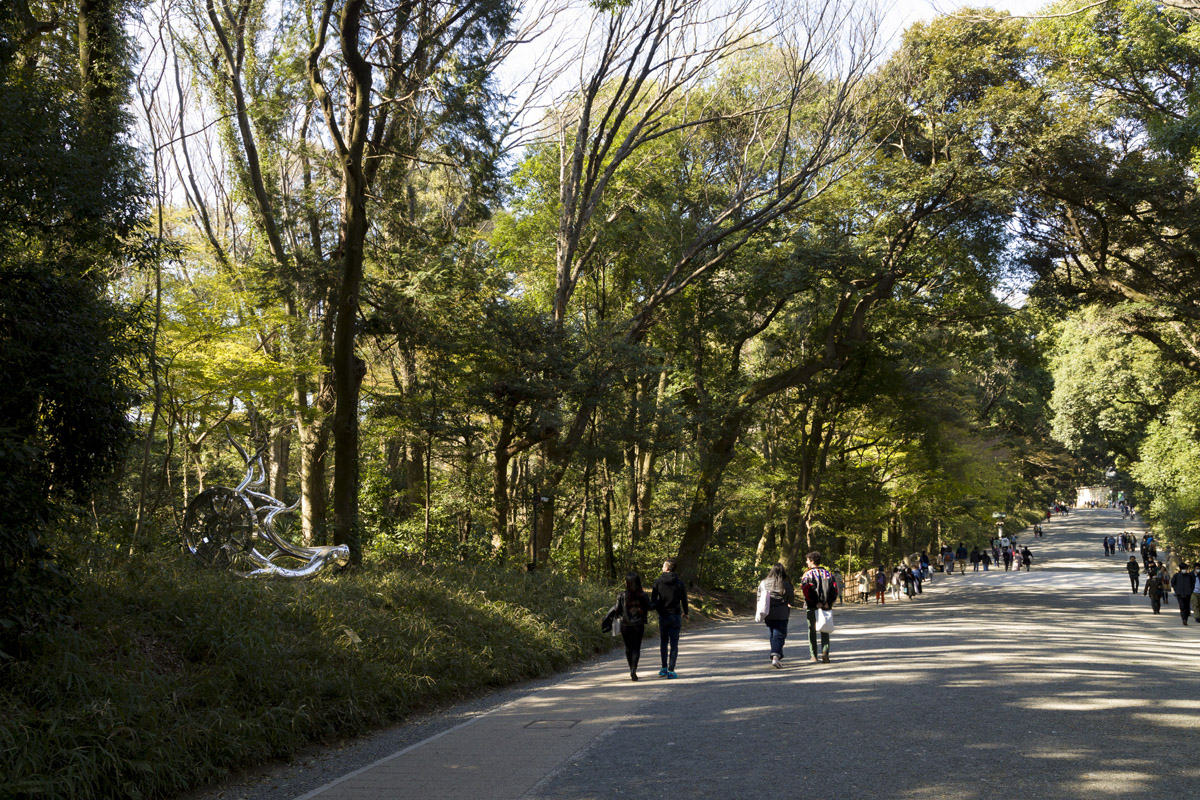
[(1093, 494)]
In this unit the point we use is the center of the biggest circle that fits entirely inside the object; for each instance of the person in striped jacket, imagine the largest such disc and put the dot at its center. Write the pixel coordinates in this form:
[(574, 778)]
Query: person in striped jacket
[(820, 592)]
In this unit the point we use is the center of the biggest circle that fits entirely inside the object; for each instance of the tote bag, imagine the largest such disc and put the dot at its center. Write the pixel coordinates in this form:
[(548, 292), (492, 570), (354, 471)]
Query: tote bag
[(824, 622), (764, 604)]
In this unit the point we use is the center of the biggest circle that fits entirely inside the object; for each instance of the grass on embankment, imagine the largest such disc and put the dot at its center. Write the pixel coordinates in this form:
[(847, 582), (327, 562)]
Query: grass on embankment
[(171, 676)]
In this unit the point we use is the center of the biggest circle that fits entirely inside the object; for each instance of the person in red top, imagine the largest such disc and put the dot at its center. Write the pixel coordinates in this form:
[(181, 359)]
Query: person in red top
[(820, 592)]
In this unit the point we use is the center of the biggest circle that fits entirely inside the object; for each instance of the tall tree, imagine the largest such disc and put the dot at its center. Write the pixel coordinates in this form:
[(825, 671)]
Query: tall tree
[(655, 80), (71, 207), (373, 77), (1107, 159)]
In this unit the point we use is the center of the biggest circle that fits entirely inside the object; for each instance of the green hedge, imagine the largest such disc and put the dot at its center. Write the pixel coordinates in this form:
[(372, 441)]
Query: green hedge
[(172, 676)]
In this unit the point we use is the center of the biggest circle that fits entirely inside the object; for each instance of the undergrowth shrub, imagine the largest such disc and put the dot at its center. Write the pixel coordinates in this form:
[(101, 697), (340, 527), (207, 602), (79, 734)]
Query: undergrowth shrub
[(173, 676)]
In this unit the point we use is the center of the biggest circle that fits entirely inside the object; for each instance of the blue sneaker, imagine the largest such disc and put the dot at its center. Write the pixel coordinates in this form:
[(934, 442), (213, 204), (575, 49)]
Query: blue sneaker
[(671, 674), (662, 673)]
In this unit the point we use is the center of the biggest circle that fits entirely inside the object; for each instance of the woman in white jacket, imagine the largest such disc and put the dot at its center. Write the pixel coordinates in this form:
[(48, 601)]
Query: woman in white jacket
[(775, 597)]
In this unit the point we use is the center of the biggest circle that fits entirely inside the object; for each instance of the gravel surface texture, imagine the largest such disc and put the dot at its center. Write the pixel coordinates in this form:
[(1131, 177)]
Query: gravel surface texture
[(1054, 683)]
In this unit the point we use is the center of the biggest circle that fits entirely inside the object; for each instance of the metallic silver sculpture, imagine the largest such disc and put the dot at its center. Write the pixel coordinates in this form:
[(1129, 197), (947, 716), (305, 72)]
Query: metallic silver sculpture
[(223, 527)]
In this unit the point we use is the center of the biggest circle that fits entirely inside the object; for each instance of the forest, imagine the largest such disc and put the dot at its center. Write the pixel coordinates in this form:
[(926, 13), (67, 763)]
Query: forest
[(563, 289)]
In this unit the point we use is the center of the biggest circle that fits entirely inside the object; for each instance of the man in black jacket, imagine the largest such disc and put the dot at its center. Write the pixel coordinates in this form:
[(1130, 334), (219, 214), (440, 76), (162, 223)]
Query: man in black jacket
[(669, 598), (1182, 583), (1134, 571)]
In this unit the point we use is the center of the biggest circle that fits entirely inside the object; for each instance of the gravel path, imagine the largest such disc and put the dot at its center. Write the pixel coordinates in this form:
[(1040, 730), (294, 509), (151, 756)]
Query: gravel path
[(1056, 683)]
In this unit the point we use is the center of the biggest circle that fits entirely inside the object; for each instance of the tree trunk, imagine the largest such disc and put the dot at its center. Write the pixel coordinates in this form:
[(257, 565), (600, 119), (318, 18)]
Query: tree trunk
[(631, 452), (647, 460), (312, 428), (500, 505), (606, 528), (699, 530)]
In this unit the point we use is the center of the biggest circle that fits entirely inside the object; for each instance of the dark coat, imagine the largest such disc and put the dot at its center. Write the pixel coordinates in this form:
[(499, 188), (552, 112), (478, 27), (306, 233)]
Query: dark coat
[(781, 602)]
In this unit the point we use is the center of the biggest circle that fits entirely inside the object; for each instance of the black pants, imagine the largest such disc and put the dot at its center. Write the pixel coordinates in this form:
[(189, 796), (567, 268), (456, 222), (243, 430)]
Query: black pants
[(1133, 580), (1185, 605), (632, 634), (1156, 602)]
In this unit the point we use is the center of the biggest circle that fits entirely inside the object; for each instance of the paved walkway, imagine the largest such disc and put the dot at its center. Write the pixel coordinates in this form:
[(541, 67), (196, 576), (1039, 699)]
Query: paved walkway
[(1056, 683)]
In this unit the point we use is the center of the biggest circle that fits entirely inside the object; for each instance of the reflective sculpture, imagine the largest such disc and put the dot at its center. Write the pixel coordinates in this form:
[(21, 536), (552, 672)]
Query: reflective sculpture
[(224, 527)]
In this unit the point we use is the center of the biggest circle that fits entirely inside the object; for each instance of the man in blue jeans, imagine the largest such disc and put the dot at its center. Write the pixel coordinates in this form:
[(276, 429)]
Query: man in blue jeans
[(669, 598)]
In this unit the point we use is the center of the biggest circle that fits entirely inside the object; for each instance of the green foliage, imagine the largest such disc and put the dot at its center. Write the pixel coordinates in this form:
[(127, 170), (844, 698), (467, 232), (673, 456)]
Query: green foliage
[(1106, 389), (172, 677), (70, 208)]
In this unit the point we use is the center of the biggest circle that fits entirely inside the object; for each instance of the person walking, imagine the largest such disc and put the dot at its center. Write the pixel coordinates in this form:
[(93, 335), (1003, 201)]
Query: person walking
[(632, 608), (960, 555), (669, 598), (776, 594), (986, 560), (820, 593), (909, 579), (864, 585), (881, 583), (976, 557), (1008, 559), (1156, 589), (1026, 557), (1183, 584), (1196, 590), (840, 580), (1135, 570)]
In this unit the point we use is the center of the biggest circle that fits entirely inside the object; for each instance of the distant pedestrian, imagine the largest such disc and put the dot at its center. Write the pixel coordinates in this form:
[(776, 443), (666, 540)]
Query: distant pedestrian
[(1156, 589), (1196, 590), (1008, 558), (865, 579), (881, 583), (820, 592), (1026, 557), (986, 560), (1134, 572), (777, 594), (976, 558), (669, 598), (1183, 584), (632, 608)]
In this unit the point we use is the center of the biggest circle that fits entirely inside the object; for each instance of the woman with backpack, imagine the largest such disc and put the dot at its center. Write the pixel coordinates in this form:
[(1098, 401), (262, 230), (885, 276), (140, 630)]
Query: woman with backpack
[(775, 598), (632, 608)]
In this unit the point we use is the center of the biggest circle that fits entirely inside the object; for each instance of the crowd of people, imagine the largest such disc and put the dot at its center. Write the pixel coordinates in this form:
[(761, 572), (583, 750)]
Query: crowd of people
[(1160, 583), (821, 589), (907, 578)]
